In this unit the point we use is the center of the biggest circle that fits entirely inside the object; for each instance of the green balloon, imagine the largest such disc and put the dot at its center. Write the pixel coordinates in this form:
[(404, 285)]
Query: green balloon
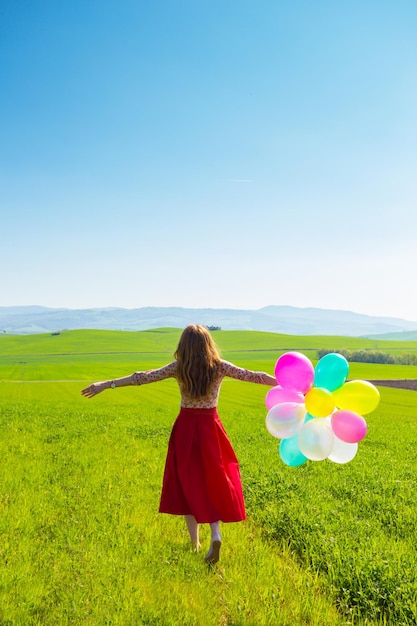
[(290, 453), (331, 371)]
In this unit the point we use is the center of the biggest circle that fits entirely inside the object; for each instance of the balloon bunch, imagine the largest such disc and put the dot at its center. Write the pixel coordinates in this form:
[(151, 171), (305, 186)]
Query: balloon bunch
[(315, 412)]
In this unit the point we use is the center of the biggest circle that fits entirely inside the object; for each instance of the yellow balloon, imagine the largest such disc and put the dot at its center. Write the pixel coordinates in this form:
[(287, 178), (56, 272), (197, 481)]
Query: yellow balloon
[(319, 402), (357, 395)]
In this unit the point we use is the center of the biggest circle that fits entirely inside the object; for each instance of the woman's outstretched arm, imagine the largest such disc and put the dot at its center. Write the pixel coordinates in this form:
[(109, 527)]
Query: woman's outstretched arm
[(137, 378), (96, 388), (240, 373)]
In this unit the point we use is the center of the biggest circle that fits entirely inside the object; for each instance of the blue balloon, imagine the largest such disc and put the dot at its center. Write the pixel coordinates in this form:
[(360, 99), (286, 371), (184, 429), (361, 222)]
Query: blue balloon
[(290, 453), (331, 371)]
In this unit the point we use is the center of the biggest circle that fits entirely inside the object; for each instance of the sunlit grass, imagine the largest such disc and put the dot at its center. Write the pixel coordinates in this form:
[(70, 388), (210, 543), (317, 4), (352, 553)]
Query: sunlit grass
[(81, 540)]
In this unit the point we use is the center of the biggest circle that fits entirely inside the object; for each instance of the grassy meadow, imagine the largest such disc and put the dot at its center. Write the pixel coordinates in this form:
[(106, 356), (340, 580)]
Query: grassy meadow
[(81, 541)]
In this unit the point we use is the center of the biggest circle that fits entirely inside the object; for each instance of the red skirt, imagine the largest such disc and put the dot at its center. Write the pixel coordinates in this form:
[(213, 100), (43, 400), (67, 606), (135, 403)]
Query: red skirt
[(202, 476)]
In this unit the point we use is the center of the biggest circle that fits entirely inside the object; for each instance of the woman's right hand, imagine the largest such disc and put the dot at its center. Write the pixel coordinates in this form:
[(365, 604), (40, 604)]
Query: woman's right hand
[(93, 389)]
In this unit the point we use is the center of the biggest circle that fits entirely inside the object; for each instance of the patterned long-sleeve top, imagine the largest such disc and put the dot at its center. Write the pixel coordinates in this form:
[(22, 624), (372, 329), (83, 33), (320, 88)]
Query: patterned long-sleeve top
[(210, 400)]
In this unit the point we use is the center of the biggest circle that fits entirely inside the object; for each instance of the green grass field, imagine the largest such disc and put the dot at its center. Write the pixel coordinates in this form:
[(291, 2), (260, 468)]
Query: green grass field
[(81, 541)]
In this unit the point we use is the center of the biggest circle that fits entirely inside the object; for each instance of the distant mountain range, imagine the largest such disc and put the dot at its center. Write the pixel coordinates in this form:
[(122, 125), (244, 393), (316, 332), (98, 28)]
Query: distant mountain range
[(279, 319)]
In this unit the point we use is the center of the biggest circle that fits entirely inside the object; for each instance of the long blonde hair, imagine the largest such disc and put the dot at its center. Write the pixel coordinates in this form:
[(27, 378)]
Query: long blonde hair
[(198, 359)]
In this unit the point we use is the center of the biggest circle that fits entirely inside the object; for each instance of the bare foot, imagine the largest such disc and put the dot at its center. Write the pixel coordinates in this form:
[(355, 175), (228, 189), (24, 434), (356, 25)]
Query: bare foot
[(196, 545), (213, 554)]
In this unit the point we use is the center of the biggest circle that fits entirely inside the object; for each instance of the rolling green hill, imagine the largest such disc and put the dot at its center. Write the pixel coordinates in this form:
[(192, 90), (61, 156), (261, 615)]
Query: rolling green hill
[(405, 336), (97, 354), (164, 340)]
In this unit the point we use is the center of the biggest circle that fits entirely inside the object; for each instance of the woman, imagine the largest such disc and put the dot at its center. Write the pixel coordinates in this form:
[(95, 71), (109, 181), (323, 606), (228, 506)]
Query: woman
[(201, 478)]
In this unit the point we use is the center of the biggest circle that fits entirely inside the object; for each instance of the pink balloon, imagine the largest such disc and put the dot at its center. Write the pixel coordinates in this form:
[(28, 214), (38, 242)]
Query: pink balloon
[(278, 394), (349, 426), (294, 371)]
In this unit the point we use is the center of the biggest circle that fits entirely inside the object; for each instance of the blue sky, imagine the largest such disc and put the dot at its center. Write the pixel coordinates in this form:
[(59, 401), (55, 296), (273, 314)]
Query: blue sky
[(207, 153)]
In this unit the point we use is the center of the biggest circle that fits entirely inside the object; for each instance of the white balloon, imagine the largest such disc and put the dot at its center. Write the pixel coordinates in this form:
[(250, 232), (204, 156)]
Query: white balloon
[(316, 439), (285, 420), (342, 452)]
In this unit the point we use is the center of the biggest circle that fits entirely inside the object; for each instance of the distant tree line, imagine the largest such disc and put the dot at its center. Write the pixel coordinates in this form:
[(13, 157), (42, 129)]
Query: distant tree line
[(214, 327), (370, 356)]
